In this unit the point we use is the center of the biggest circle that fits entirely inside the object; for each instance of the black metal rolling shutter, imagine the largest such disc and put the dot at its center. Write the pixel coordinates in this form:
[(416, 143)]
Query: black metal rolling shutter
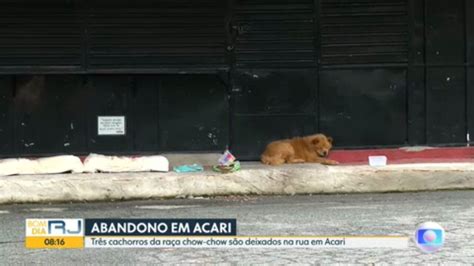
[(364, 31), (39, 34), (274, 33), (275, 75), (149, 34), (364, 57)]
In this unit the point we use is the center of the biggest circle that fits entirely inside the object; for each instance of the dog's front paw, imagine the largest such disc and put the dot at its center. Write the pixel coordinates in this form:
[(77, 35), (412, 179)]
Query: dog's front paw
[(330, 162)]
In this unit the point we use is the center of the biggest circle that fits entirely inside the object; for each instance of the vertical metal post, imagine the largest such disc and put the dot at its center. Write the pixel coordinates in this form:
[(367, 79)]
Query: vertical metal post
[(416, 73), (317, 54), (230, 58)]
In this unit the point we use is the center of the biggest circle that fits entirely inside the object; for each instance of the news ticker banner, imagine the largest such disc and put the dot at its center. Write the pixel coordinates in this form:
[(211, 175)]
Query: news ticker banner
[(178, 233)]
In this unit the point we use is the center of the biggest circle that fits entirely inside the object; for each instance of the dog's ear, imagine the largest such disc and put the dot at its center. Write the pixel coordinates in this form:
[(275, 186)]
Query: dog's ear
[(315, 141), (330, 139)]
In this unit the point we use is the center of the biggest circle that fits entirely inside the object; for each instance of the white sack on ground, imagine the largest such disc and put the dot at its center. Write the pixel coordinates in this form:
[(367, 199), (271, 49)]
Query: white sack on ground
[(103, 163), (47, 165)]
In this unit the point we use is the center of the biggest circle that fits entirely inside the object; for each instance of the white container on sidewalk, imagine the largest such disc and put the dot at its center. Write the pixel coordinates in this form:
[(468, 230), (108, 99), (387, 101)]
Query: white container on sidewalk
[(378, 160)]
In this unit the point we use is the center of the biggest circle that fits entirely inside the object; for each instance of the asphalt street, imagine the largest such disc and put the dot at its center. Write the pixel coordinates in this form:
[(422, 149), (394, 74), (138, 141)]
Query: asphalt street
[(355, 214)]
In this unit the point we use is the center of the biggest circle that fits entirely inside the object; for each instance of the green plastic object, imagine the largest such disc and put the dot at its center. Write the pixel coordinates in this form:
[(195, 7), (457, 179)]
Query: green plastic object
[(234, 167), (188, 168)]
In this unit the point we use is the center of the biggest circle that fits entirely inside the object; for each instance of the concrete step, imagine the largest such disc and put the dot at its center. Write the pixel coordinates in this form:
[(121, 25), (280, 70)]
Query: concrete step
[(254, 178)]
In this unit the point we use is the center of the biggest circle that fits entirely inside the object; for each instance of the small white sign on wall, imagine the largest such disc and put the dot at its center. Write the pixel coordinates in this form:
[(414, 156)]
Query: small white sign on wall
[(111, 125)]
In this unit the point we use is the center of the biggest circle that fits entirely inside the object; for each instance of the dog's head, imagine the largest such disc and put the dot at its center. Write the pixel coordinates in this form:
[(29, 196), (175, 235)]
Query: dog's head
[(321, 144)]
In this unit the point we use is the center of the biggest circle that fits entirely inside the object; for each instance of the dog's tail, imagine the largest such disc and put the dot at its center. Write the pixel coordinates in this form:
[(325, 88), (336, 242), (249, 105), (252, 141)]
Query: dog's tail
[(265, 159), (271, 160)]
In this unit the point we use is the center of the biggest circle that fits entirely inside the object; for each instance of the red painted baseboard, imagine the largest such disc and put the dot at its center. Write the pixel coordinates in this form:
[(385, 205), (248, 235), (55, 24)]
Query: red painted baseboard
[(397, 156)]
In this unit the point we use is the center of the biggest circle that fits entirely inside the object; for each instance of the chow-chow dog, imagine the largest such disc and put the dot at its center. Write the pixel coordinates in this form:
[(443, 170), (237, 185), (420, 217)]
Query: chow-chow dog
[(309, 149)]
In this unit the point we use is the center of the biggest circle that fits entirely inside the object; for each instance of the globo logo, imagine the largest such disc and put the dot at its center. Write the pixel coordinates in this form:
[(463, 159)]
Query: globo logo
[(429, 237)]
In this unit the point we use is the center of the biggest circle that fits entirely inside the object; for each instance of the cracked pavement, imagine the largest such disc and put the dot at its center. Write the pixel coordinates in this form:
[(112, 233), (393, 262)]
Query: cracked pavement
[(353, 214)]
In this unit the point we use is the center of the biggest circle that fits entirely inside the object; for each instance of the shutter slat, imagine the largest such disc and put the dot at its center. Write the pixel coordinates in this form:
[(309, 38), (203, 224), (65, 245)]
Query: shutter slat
[(364, 31)]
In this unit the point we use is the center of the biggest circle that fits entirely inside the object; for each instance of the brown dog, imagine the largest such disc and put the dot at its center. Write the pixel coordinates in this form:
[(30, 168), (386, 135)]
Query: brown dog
[(309, 149)]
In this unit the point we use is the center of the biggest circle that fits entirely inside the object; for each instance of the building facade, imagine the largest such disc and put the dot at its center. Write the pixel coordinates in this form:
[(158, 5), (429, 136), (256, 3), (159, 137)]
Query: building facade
[(142, 76)]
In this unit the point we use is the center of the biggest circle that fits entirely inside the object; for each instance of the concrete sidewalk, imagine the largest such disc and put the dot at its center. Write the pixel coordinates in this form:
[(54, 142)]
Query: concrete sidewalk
[(254, 178)]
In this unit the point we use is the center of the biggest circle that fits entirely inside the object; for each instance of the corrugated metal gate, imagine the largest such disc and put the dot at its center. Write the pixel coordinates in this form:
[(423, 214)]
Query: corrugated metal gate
[(200, 75)]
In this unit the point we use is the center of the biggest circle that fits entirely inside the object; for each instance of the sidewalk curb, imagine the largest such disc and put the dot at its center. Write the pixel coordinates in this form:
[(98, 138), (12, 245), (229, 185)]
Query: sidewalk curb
[(253, 179)]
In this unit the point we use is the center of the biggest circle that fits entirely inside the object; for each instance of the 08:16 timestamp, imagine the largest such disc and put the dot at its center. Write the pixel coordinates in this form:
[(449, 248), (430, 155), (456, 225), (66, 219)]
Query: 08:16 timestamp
[(54, 242)]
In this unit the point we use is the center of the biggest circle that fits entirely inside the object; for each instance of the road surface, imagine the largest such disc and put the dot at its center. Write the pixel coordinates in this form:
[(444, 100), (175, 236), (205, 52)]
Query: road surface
[(356, 214)]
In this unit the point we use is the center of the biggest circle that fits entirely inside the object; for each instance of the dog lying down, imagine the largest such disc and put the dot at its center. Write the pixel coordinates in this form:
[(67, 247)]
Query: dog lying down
[(309, 149)]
